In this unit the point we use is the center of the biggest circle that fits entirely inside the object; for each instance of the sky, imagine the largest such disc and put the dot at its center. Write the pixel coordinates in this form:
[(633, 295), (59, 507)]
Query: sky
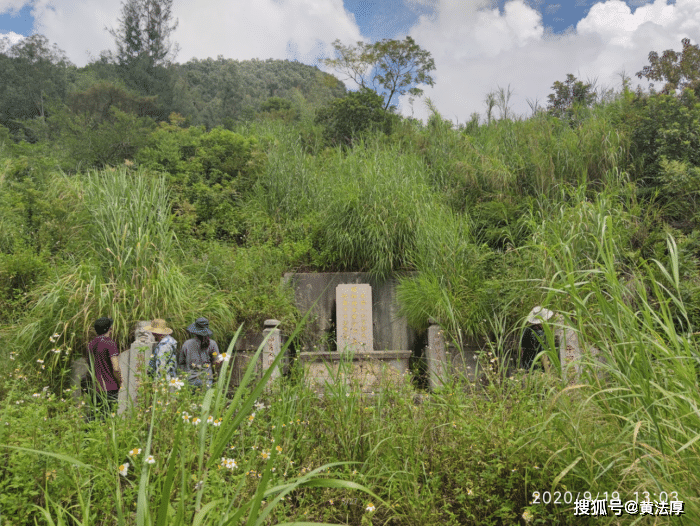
[(479, 46)]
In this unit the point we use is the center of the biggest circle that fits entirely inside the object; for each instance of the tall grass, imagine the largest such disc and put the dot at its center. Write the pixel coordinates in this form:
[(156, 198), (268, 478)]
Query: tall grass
[(127, 272), (188, 481), (640, 370)]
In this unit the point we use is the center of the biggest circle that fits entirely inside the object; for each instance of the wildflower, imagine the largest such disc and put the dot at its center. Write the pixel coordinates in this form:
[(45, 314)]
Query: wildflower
[(354, 472), (36, 395), (40, 361), (123, 469), (217, 422), (225, 357), (370, 507), (279, 449), (176, 383), (259, 406), (199, 485), (134, 452), (454, 424), (56, 351), (196, 421), (265, 454), (251, 417), (210, 419), (330, 502), (527, 516), (150, 460), (469, 491), (54, 337)]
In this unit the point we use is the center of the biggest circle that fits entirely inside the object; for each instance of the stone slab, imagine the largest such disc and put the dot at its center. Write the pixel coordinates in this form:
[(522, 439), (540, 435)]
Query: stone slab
[(354, 317), (370, 370)]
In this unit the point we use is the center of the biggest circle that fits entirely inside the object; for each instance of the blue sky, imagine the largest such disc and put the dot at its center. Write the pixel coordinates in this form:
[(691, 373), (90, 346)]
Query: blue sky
[(478, 45)]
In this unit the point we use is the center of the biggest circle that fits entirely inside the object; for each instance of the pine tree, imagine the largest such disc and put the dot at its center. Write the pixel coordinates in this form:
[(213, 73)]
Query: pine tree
[(143, 42)]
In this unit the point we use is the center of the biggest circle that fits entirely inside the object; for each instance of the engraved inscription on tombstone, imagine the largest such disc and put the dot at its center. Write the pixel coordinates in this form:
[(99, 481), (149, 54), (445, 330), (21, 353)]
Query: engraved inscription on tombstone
[(354, 317)]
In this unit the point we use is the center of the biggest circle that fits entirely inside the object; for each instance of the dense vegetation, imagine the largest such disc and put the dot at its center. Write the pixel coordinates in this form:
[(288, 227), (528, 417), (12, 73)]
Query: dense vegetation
[(195, 198)]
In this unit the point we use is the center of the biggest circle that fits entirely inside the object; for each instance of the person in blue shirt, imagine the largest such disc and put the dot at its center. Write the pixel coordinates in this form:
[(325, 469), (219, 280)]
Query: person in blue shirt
[(163, 362)]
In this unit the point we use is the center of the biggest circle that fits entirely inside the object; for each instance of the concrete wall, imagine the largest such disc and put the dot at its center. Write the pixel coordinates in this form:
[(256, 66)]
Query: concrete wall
[(389, 329)]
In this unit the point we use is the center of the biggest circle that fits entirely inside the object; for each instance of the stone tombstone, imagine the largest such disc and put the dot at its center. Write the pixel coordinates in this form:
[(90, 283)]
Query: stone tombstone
[(133, 364), (436, 355), (354, 317), (273, 346)]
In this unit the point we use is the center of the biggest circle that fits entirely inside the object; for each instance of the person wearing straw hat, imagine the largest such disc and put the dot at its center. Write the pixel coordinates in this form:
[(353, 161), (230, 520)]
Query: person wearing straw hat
[(103, 357), (199, 355), (532, 342), (163, 362)]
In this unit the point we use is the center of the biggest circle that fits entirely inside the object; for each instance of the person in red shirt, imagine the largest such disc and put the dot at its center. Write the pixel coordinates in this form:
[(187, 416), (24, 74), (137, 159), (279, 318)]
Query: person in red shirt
[(103, 357)]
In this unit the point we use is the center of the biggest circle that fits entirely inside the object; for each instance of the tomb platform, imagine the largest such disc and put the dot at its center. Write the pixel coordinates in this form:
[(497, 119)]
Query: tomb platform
[(370, 370)]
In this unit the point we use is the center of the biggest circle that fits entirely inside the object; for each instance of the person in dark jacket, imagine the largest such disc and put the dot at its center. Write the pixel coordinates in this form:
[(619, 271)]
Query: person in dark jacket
[(199, 355), (103, 362)]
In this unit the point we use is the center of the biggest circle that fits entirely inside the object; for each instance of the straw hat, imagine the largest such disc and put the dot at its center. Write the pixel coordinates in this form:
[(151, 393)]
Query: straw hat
[(158, 326), (538, 315)]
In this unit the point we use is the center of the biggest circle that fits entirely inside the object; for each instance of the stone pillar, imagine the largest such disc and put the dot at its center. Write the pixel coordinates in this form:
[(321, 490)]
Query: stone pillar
[(133, 364), (273, 347), (436, 355)]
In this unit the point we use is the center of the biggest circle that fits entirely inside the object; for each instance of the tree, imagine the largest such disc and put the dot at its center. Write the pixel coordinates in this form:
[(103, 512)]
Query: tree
[(677, 70), (346, 118), (33, 72), (143, 42), (569, 96), (394, 66), (144, 32)]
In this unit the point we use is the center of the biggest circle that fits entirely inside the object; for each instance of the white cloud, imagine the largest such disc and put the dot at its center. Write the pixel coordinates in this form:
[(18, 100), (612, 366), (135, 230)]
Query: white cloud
[(9, 39), (11, 6), (263, 28), (77, 26), (240, 29), (476, 49)]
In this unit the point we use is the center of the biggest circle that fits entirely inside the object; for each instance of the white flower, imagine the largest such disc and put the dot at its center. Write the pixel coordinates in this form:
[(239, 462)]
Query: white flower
[(216, 423), (259, 406), (176, 383), (134, 452), (196, 421), (36, 395), (123, 469), (40, 361), (370, 507), (224, 357), (210, 419), (150, 460), (228, 463)]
